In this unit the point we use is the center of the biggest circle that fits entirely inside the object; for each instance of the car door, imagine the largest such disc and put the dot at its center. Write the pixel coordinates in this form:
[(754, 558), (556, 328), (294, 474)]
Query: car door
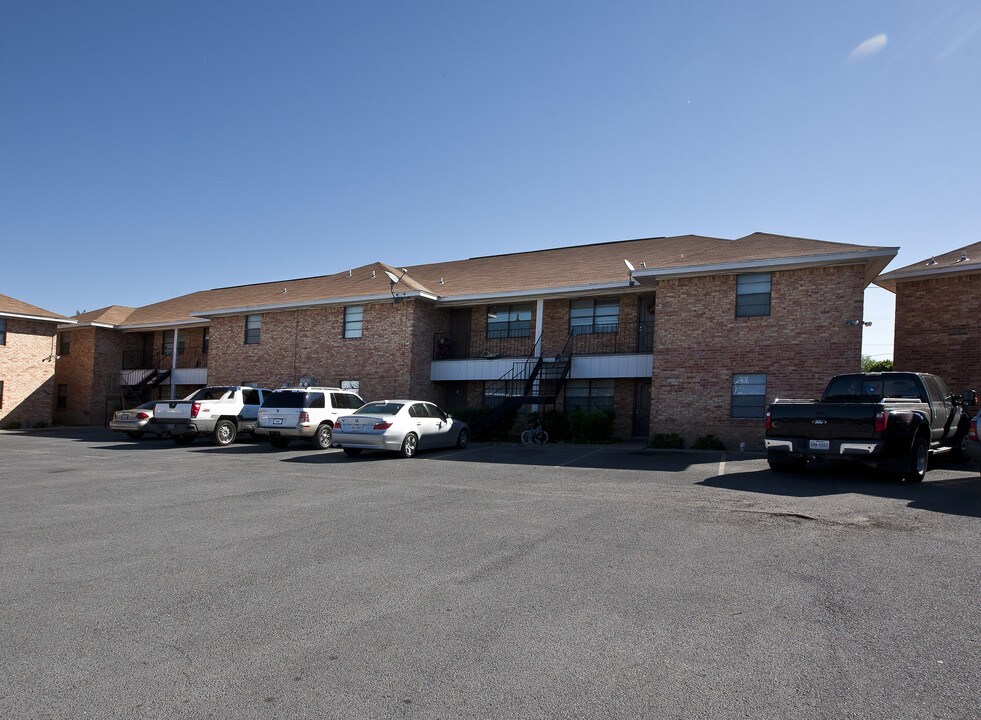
[(442, 437), (423, 425), (251, 400)]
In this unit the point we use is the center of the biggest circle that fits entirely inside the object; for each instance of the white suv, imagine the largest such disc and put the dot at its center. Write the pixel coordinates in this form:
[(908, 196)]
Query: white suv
[(304, 412)]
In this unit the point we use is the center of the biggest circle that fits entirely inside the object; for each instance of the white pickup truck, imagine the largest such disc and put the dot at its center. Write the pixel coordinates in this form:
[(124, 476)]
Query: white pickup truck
[(220, 412)]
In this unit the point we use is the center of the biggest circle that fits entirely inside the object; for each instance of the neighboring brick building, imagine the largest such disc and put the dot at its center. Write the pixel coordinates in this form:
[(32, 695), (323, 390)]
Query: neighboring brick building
[(937, 303), (27, 362), (738, 322)]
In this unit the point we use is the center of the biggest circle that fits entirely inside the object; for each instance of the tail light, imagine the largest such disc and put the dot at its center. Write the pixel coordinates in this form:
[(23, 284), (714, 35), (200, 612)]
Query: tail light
[(973, 432), (768, 423), (142, 416), (195, 409), (304, 416), (381, 426), (881, 420)]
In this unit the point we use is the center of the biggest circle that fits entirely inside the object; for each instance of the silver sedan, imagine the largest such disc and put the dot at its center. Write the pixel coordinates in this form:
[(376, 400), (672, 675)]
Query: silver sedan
[(402, 426), (133, 422)]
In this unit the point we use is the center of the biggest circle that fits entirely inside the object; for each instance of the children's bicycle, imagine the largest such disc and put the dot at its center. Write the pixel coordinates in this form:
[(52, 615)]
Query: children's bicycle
[(534, 436)]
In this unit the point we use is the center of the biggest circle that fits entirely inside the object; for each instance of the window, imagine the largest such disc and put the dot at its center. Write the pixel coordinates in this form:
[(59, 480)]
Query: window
[(753, 295), (345, 401), (205, 341), (594, 316), (64, 344), (62, 397), (253, 328), (748, 396), (1, 393), (589, 395), (353, 321), (168, 343), (509, 321), (3, 331)]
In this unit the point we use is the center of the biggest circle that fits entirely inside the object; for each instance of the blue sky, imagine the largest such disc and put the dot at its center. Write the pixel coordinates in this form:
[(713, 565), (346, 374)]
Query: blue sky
[(154, 149)]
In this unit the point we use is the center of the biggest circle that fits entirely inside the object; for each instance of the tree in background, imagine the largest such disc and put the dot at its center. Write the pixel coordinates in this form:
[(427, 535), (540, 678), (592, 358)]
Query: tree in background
[(870, 364)]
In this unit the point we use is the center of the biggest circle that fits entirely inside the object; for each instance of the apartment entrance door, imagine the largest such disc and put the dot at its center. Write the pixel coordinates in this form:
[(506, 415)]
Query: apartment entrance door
[(642, 409)]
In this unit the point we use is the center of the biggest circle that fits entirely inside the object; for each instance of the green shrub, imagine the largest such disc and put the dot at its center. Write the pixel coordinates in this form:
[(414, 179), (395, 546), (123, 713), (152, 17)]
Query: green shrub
[(500, 429), (708, 442), (12, 425), (41, 424), (669, 441)]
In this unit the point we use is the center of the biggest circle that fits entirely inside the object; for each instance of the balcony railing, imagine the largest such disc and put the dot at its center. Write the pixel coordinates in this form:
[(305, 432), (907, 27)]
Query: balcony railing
[(188, 356), (610, 339)]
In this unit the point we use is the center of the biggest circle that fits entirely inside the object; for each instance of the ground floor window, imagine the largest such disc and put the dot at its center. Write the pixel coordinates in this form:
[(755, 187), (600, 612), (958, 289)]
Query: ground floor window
[(748, 395), (589, 395), (1, 393), (62, 397)]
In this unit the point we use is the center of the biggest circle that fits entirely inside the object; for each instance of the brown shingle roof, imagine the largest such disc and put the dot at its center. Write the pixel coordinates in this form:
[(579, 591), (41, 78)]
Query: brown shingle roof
[(12, 306), (111, 315), (964, 259), (533, 272)]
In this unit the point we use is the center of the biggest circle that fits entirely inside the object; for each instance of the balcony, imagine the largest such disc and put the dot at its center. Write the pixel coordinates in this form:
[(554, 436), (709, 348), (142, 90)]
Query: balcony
[(611, 339), (188, 356)]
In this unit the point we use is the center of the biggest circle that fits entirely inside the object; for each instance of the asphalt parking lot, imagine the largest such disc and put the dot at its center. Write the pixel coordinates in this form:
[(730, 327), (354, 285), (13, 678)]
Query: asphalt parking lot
[(147, 580)]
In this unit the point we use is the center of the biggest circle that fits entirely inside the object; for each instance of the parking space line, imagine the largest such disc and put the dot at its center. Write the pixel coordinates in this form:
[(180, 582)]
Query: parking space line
[(577, 459), (722, 465)]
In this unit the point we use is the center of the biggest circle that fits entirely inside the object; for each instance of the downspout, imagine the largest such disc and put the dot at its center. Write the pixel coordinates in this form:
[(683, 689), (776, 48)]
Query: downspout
[(173, 364)]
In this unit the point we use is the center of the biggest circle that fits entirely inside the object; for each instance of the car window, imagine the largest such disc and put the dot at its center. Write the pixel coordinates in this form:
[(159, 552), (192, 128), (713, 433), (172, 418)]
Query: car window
[(434, 411), (902, 387), (418, 410), (316, 400), (214, 393), (346, 401), (379, 408), (250, 396), (284, 399)]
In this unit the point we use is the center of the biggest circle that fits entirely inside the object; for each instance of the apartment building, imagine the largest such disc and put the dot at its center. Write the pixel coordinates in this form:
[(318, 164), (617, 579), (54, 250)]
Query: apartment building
[(937, 303), (27, 363), (687, 334)]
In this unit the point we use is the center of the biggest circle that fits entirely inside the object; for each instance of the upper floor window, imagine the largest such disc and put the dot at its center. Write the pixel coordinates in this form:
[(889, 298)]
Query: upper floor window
[(253, 328), (168, 343), (353, 321), (594, 316), (753, 295), (64, 344), (3, 331), (509, 321), (205, 341), (748, 395), (62, 397)]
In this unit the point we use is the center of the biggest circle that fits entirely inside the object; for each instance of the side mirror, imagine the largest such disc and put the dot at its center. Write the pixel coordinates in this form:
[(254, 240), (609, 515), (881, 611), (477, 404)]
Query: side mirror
[(970, 397)]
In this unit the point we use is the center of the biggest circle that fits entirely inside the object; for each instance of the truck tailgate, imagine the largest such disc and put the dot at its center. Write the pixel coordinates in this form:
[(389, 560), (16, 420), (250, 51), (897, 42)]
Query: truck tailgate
[(175, 410), (840, 421), (279, 417)]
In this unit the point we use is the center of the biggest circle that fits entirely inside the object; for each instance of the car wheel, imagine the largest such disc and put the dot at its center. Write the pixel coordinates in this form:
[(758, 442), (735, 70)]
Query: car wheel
[(323, 437), (352, 452), (183, 439), (409, 445), (918, 459), (224, 433), (279, 442), (134, 434), (463, 439)]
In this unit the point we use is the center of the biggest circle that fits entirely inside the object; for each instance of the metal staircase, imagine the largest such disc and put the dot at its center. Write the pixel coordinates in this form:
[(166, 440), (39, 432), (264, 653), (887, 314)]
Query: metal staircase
[(542, 379)]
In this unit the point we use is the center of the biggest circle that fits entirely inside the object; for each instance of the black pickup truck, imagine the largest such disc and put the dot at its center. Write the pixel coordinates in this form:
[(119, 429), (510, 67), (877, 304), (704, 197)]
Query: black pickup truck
[(888, 420)]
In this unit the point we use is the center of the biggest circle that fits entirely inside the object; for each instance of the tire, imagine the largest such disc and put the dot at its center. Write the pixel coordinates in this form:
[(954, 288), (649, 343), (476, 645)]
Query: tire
[(134, 434), (183, 439), (323, 438), (409, 446), (463, 439), (224, 433), (279, 442), (918, 459), (540, 437), (526, 437), (352, 452)]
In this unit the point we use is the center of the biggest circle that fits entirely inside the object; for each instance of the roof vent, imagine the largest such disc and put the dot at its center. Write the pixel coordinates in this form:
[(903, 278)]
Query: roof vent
[(931, 261), (962, 258), (441, 281)]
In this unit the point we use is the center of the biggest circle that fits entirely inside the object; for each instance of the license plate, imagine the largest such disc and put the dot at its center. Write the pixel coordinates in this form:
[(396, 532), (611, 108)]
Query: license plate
[(277, 421), (356, 428), (820, 445), (170, 427), (124, 416)]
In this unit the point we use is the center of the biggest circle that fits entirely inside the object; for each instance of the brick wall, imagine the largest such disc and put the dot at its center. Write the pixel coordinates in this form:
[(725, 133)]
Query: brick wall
[(94, 357), (390, 359), (699, 344), (28, 383), (936, 329)]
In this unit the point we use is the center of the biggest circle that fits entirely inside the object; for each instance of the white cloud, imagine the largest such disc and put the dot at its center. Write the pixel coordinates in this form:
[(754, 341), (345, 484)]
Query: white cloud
[(868, 47)]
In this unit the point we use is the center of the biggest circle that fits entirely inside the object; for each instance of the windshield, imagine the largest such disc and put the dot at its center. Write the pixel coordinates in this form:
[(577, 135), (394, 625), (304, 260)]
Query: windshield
[(379, 408), (871, 389), (215, 393)]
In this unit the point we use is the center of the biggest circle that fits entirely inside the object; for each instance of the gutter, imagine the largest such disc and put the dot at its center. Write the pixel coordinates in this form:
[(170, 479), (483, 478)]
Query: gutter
[(889, 280), (22, 316)]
